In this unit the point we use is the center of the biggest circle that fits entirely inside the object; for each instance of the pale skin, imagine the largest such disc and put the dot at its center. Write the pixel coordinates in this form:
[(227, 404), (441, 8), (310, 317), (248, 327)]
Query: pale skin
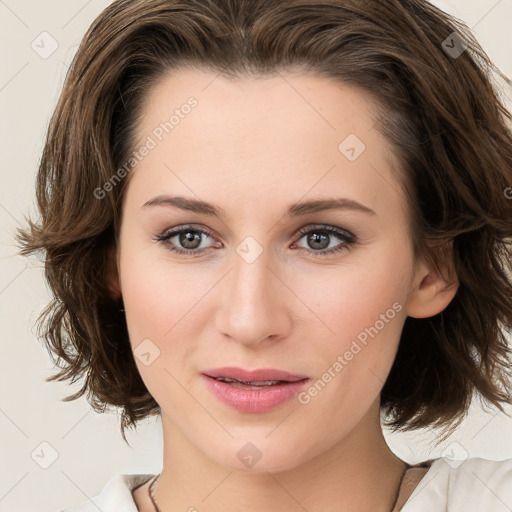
[(253, 147)]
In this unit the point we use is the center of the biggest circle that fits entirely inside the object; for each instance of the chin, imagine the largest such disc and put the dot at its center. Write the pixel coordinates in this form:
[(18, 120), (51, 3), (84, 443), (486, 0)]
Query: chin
[(257, 455)]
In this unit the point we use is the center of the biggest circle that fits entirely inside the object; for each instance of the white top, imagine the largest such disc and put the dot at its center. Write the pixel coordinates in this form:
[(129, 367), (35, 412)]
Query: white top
[(473, 485)]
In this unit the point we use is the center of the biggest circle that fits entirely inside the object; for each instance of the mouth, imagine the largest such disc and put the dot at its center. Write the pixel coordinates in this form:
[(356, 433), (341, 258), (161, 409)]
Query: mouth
[(250, 384), (254, 397), (238, 377), (254, 391)]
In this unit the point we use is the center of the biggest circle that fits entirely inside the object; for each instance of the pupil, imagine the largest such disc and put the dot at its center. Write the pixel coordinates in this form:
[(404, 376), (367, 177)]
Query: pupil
[(188, 238), (315, 241)]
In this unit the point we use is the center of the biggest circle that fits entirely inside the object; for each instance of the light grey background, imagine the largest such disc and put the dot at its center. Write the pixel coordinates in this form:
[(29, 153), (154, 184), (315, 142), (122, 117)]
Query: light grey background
[(35, 426)]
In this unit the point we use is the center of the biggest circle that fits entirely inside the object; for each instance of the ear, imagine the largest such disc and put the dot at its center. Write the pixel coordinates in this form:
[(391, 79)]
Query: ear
[(112, 275), (433, 291)]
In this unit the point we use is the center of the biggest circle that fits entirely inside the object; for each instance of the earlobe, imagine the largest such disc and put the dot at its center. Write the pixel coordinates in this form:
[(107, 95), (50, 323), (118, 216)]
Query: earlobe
[(434, 291)]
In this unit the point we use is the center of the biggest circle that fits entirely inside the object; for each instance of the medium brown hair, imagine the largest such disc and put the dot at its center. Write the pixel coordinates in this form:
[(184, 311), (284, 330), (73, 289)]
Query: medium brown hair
[(440, 112)]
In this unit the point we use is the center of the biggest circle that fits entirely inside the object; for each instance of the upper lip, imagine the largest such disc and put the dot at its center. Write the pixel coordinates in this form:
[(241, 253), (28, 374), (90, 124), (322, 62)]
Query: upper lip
[(258, 375)]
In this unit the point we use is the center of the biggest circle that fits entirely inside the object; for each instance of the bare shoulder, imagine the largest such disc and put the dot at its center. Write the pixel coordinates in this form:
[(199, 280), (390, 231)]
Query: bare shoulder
[(141, 497), (412, 478)]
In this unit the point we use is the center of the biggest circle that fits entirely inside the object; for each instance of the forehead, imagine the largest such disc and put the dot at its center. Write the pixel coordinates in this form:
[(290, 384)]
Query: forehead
[(234, 104), (289, 133)]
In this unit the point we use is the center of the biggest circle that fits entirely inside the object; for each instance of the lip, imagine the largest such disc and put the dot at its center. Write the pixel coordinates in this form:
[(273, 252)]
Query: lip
[(254, 400), (258, 375)]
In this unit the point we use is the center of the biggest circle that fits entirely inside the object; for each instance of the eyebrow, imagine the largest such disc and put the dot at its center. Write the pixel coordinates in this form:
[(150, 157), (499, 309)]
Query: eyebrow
[(295, 210)]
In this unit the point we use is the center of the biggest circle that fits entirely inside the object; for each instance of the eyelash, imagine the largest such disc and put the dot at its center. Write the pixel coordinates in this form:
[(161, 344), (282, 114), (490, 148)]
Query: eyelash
[(348, 239)]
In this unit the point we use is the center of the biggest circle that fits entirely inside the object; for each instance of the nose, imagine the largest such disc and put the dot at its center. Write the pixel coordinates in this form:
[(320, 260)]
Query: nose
[(255, 302)]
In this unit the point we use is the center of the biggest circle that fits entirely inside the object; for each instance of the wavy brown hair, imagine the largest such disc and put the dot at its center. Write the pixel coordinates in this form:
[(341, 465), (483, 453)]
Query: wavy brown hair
[(441, 113)]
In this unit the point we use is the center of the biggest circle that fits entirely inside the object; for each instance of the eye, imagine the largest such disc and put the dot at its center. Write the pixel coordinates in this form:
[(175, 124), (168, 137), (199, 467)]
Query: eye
[(320, 237), (188, 237), (187, 240)]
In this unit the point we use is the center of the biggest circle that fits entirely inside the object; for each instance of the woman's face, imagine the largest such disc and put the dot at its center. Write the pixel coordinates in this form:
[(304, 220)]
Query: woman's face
[(264, 283)]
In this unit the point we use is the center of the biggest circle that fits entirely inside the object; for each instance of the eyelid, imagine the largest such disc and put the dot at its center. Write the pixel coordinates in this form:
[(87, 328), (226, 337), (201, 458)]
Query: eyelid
[(347, 239), (167, 234), (327, 228)]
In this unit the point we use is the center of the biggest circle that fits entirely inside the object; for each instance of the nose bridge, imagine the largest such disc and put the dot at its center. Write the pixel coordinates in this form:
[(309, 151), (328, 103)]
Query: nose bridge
[(251, 311), (251, 281), (251, 276)]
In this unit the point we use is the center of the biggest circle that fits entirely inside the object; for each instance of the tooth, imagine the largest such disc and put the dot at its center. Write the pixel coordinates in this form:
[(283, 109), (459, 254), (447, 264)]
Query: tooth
[(249, 383)]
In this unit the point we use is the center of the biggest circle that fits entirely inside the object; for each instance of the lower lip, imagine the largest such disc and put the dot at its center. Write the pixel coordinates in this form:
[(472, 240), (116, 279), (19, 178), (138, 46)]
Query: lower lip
[(254, 400)]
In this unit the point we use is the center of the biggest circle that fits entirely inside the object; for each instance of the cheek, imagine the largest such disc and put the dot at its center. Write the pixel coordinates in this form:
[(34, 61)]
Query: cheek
[(160, 302), (159, 305), (354, 295), (361, 308)]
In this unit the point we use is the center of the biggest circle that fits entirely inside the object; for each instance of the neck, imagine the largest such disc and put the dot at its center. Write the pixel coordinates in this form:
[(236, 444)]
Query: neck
[(359, 472)]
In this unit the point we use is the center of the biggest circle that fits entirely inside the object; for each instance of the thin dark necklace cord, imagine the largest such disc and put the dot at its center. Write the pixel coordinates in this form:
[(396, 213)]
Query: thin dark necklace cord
[(152, 486)]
